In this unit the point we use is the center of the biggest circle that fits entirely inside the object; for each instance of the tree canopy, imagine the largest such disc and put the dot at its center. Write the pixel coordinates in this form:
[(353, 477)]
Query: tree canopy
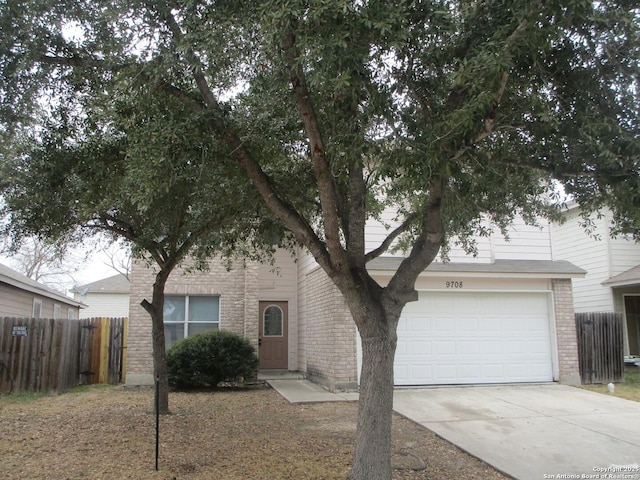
[(456, 115), (129, 167)]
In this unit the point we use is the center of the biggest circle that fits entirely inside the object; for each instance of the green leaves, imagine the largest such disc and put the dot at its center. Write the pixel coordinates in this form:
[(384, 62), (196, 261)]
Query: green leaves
[(500, 99)]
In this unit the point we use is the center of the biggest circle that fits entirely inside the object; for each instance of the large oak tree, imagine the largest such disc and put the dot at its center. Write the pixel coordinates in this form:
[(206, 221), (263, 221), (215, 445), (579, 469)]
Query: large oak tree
[(458, 115), (128, 172)]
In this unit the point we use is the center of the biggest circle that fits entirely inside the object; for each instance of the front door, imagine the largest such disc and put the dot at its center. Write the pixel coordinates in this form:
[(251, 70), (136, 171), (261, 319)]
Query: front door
[(273, 341), (632, 313)]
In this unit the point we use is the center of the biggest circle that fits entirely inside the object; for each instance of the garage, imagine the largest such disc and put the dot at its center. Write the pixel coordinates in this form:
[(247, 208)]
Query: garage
[(453, 338)]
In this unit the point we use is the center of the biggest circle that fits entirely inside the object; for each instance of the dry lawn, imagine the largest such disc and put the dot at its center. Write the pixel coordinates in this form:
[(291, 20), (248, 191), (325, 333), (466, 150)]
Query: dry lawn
[(109, 433), (629, 389)]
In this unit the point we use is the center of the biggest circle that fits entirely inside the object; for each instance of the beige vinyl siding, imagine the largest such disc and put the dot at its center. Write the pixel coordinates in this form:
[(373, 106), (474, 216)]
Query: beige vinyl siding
[(458, 254), (376, 231), (572, 243), (526, 242), (15, 302), (278, 281), (113, 305), (624, 254)]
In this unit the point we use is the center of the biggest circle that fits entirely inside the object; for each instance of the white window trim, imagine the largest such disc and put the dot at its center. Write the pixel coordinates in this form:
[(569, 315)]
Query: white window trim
[(37, 303), (264, 315), (185, 323), (57, 310)]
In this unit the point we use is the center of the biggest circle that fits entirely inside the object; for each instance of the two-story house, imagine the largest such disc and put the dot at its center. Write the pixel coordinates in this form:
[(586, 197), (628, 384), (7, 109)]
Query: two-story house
[(505, 315), (612, 281)]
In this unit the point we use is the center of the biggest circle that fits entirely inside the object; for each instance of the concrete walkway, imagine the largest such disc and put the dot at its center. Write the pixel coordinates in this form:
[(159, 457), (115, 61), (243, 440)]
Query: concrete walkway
[(304, 391), (547, 431)]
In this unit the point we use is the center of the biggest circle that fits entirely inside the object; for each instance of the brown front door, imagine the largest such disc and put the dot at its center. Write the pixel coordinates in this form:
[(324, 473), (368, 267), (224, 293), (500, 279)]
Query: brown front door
[(274, 333), (632, 312)]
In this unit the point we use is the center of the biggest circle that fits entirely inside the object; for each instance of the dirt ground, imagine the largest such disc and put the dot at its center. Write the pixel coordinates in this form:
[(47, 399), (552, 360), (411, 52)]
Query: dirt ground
[(109, 433)]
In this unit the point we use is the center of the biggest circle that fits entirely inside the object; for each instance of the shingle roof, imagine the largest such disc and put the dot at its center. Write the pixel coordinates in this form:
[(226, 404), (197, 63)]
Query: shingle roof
[(18, 280), (116, 284), (630, 277), (550, 268)]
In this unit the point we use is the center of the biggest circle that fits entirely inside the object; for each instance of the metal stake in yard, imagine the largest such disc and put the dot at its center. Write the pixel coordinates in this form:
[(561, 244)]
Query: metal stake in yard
[(157, 408)]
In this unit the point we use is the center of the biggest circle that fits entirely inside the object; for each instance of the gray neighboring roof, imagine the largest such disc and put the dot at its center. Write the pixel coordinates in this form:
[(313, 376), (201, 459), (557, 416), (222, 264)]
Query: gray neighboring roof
[(116, 284), (546, 268), (630, 277), (18, 280)]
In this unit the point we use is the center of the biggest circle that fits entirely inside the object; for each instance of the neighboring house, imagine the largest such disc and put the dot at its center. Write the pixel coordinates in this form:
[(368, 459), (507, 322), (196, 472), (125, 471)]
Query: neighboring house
[(612, 282), (505, 315), (22, 297), (108, 297)]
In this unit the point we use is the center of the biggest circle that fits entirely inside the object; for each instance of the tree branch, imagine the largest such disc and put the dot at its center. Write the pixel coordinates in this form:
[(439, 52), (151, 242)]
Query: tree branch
[(116, 225), (357, 215), (324, 177), (459, 95), (293, 220), (74, 61), (148, 307), (127, 230), (181, 95), (77, 61), (384, 246), (426, 246)]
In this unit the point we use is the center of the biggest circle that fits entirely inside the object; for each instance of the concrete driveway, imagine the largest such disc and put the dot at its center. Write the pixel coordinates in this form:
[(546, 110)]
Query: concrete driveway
[(533, 431)]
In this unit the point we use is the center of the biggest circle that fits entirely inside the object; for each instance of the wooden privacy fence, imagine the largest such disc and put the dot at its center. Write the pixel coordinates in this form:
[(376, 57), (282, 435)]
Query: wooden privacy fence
[(600, 347), (56, 354)]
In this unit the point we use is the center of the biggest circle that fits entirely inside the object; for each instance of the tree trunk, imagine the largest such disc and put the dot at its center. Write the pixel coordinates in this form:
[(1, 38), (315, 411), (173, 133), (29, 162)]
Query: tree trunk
[(372, 457), (160, 362), (156, 311)]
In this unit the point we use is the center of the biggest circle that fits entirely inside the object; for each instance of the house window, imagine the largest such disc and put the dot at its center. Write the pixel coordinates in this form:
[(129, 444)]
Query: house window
[(188, 315), (272, 323), (71, 314), (56, 311), (37, 308)]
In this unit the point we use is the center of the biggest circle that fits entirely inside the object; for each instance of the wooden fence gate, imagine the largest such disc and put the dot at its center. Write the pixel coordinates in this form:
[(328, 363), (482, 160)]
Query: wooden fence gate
[(47, 354), (600, 347)]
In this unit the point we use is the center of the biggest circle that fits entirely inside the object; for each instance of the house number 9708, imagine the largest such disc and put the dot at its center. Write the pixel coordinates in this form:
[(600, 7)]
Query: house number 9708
[(453, 284)]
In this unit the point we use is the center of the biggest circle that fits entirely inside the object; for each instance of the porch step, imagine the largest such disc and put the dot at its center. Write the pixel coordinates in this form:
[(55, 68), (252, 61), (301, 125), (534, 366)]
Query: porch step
[(280, 375)]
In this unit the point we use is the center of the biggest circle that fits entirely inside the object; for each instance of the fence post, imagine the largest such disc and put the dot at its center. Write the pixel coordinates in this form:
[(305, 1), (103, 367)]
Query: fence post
[(125, 343), (103, 374)]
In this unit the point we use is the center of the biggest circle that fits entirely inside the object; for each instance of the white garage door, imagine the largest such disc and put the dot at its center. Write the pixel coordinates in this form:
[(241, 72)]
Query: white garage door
[(466, 338)]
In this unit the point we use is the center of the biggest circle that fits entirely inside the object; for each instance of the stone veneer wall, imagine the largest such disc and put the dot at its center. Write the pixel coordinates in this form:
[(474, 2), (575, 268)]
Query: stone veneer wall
[(330, 335), (237, 289), (567, 340)]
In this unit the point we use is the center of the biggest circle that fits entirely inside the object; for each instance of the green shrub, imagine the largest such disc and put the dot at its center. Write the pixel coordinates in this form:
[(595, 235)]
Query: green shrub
[(206, 359)]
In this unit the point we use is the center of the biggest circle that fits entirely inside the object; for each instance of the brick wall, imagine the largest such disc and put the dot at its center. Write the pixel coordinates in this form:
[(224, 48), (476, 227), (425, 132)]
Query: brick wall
[(567, 342), (279, 282), (250, 290), (330, 335), (230, 285), (327, 335)]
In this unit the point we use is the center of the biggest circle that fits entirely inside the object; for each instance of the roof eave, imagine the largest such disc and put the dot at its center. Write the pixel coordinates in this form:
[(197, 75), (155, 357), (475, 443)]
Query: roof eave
[(498, 269), (44, 293), (484, 274)]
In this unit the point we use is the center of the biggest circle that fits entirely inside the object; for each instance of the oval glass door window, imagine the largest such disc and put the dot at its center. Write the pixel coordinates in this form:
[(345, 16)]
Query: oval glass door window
[(273, 321)]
